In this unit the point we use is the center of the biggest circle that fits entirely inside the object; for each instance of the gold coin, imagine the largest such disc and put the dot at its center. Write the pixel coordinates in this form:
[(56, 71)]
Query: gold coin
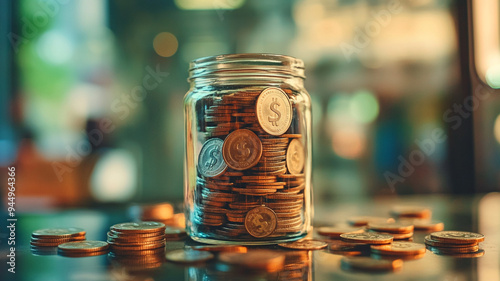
[(396, 236), (307, 245), (367, 238), (255, 259), (392, 227), (335, 231), (83, 246), (295, 157), (399, 248), (274, 111), (58, 232), (242, 149), (454, 250), (457, 237), (435, 243), (188, 256), (369, 264), (210, 162), (260, 222), (139, 227)]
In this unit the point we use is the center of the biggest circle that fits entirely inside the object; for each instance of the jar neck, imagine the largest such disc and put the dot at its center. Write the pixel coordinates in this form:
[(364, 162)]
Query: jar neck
[(246, 69)]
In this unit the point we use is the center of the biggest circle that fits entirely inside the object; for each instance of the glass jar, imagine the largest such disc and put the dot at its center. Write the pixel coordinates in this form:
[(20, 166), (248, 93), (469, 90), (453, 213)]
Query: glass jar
[(247, 177)]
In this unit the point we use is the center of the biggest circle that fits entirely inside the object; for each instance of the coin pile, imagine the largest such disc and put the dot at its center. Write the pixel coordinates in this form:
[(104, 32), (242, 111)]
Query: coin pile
[(52, 237), (398, 230), (455, 243), (250, 181), (83, 248), (400, 249), (137, 238)]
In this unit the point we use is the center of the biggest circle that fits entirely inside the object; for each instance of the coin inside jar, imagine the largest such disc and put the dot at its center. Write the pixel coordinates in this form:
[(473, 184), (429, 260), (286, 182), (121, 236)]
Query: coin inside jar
[(242, 149), (260, 222), (295, 157), (274, 111), (210, 162)]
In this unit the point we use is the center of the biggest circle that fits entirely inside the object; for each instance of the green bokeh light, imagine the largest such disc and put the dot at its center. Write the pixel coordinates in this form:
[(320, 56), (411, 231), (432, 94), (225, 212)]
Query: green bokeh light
[(364, 106)]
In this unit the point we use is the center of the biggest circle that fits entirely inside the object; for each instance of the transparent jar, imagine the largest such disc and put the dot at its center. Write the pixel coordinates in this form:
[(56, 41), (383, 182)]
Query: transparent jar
[(247, 168)]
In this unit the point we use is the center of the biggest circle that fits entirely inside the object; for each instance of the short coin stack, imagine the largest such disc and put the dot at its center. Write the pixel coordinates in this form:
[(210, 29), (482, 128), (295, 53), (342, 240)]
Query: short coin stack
[(399, 249), (44, 241), (251, 162), (399, 230), (137, 238), (83, 248), (455, 243)]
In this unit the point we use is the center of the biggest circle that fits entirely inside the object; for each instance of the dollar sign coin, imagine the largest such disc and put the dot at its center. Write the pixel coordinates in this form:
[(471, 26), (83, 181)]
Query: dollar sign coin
[(242, 149), (274, 111), (295, 157), (260, 221), (210, 161)]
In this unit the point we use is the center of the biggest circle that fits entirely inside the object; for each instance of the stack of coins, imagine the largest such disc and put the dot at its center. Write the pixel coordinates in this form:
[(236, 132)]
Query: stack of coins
[(399, 230), (83, 248), (137, 239), (45, 241), (370, 238), (252, 159), (399, 249), (455, 243)]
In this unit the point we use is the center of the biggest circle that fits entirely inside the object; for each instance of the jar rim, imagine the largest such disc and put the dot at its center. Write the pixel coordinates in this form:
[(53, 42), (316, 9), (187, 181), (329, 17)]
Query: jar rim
[(228, 64)]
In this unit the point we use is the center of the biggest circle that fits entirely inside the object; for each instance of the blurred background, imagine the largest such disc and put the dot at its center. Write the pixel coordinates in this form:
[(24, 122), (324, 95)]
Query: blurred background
[(405, 99)]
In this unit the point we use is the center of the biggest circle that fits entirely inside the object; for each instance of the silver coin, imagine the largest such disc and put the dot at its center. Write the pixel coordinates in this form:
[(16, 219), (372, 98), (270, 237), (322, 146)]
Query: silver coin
[(274, 111), (210, 162), (295, 157)]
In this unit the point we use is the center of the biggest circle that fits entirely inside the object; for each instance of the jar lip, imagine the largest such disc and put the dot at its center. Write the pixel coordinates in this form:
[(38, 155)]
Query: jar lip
[(223, 64)]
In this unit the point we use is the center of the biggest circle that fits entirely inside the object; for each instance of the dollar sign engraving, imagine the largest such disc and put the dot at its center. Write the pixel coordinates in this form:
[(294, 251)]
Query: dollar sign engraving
[(259, 221), (274, 119), (213, 158), (243, 150)]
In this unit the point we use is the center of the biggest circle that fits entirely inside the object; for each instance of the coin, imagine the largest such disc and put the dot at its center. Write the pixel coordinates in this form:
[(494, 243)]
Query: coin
[(83, 246), (260, 222), (392, 227), (255, 259), (307, 244), (457, 237), (436, 243), (411, 212), (188, 256), (454, 250), (274, 111), (364, 220), (210, 161), (295, 157), (139, 227), (399, 248), (367, 238), (82, 254), (242, 149), (58, 232), (369, 264), (425, 224), (334, 231)]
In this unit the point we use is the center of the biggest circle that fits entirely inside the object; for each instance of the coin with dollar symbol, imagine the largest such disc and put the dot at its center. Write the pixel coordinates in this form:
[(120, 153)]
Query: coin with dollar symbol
[(274, 111), (295, 157), (242, 149), (261, 222), (210, 162)]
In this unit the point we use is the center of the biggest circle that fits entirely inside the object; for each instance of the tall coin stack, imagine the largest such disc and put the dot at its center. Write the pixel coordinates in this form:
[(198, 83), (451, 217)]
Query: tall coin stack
[(250, 181), (137, 239)]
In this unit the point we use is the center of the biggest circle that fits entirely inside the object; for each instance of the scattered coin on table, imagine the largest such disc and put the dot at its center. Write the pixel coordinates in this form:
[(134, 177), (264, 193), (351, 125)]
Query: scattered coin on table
[(83, 248), (306, 245), (367, 238), (335, 231), (399, 248), (364, 220)]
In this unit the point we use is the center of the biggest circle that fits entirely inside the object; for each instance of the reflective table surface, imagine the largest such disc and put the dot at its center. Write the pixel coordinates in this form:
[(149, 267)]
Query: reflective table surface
[(480, 213)]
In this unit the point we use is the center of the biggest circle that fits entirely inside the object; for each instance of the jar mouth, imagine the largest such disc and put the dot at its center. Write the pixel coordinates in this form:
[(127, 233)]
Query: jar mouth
[(240, 65)]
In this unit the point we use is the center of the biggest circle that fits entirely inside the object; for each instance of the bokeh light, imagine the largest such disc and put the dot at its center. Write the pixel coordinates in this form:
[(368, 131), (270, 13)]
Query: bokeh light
[(496, 129), (54, 47), (493, 76), (364, 107), (165, 44)]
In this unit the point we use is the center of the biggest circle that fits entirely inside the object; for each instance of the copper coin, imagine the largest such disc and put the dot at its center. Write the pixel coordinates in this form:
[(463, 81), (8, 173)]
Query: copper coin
[(369, 264), (210, 161), (436, 243), (392, 227), (58, 232), (83, 246), (242, 149), (454, 250), (335, 231), (188, 256), (367, 238), (307, 244), (260, 222), (364, 220), (457, 237), (274, 111), (399, 248), (411, 212)]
